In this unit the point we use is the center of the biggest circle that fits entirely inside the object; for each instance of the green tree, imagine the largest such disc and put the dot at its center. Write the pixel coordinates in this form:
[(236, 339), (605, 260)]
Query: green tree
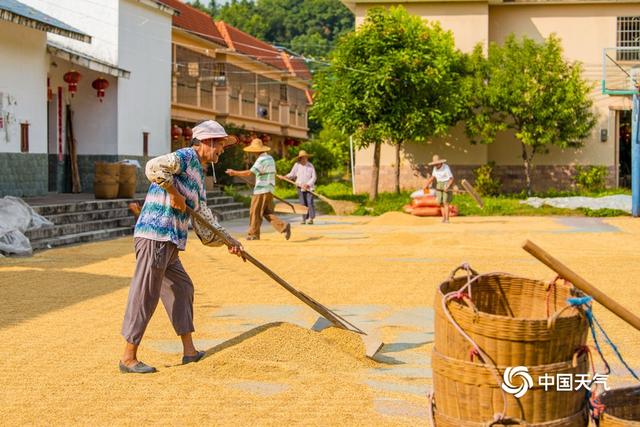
[(308, 27), (396, 79), (528, 88)]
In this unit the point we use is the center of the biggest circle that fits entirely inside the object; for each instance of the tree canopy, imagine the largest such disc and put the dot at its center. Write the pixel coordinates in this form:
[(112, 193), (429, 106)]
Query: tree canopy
[(527, 87), (396, 79), (307, 27)]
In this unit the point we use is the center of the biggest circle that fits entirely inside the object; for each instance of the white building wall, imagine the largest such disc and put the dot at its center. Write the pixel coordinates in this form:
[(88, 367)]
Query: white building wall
[(144, 100), (97, 18), (95, 124), (23, 76)]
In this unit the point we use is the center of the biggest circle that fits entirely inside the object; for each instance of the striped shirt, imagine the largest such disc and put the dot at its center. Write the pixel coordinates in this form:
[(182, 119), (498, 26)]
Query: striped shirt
[(158, 220), (265, 171)]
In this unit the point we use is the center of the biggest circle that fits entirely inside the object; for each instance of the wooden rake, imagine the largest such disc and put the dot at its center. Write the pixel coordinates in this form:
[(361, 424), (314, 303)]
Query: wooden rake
[(472, 192), (372, 344), (340, 207)]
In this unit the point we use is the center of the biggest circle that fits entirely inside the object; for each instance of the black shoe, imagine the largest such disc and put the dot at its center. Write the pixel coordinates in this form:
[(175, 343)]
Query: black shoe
[(138, 368), (310, 222), (287, 232), (194, 358)]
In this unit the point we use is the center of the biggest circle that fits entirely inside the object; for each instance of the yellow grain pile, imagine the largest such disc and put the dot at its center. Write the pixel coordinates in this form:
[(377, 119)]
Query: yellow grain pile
[(331, 350)]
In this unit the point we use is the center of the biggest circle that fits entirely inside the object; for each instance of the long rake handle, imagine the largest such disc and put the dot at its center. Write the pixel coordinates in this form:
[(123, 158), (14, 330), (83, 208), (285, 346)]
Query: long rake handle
[(580, 283), (334, 318), (319, 196)]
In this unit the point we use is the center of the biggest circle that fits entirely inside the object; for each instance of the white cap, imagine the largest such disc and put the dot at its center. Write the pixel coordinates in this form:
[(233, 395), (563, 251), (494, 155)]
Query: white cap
[(209, 129)]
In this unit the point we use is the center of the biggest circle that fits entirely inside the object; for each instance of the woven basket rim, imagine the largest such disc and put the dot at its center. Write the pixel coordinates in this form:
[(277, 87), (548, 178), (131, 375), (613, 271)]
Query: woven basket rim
[(567, 364), (579, 414), (627, 391), (490, 316)]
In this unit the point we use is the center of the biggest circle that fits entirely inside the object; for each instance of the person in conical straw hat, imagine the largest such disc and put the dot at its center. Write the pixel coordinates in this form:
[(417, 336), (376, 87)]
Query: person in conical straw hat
[(444, 181), (264, 170), (305, 176)]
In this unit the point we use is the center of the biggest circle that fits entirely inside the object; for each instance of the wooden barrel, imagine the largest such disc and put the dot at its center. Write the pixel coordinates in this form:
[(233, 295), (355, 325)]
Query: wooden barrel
[(472, 392)]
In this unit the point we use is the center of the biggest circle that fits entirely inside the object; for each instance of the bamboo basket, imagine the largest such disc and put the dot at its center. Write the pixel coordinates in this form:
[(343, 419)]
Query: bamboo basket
[(580, 419), (105, 179), (127, 180), (470, 391), (513, 320), (622, 407), (104, 168), (105, 190)]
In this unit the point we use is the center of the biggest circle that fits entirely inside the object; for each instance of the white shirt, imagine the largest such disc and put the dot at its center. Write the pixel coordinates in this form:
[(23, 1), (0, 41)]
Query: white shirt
[(442, 174), (304, 174)]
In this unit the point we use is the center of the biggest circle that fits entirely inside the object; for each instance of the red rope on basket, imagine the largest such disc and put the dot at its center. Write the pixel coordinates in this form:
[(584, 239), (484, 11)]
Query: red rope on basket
[(459, 294), (551, 285)]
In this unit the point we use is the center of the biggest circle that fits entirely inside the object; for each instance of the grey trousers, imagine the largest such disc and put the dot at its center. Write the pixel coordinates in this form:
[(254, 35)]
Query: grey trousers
[(159, 275)]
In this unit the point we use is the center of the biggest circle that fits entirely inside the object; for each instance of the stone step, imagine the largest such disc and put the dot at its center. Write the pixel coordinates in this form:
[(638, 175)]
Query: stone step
[(233, 214), (100, 204), (85, 206), (219, 200), (88, 236), (79, 227), (226, 207), (97, 215)]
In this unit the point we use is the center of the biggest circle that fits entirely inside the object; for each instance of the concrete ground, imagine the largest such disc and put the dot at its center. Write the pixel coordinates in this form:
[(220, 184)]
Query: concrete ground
[(62, 310)]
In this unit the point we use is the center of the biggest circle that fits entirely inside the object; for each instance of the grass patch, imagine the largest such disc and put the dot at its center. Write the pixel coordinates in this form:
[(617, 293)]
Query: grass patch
[(505, 205), (386, 202), (232, 191)]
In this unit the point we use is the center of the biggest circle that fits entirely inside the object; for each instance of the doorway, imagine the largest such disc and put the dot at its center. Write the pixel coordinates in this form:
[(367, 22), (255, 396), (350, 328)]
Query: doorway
[(624, 148)]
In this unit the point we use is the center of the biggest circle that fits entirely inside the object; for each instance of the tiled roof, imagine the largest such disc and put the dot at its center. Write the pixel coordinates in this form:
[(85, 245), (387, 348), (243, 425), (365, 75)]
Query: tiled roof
[(249, 45), (195, 21), (202, 25), (19, 13), (300, 68)]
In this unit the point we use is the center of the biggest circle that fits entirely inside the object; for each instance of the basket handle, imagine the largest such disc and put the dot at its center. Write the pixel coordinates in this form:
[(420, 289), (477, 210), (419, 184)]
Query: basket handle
[(506, 421), (463, 266), (551, 321)]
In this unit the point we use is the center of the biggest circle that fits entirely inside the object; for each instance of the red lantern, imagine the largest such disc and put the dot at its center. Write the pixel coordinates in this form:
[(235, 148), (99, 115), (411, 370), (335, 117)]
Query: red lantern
[(187, 133), (72, 78), (176, 132), (100, 84)]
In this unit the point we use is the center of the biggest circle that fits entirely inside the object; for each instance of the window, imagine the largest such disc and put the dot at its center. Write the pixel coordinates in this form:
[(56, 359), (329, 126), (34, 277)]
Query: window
[(220, 74), (628, 36)]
